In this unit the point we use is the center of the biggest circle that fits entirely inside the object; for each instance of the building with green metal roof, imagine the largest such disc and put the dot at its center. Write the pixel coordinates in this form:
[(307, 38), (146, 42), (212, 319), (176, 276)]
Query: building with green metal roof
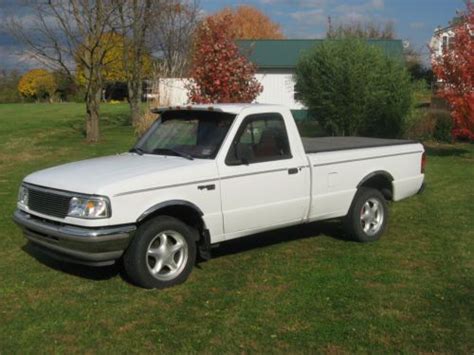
[(276, 62)]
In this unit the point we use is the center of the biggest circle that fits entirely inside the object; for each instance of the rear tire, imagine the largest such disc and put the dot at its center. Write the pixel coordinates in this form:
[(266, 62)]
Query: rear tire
[(162, 253), (368, 216)]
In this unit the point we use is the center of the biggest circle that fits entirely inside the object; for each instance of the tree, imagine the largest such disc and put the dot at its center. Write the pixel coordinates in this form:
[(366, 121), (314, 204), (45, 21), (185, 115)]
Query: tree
[(121, 62), (358, 29), (61, 33), (37, 84), (455, 70), (171, 35), (353, 88), (247, 22), (219, 72), (135, 20), (9, 80)]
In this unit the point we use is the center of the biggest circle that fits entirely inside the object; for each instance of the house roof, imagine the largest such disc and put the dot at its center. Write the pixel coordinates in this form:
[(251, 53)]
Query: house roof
[(284, 53)]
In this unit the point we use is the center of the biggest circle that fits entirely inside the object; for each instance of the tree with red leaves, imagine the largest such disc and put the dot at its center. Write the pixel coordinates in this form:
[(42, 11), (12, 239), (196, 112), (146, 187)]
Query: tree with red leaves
[(455, 69), (219, 73)]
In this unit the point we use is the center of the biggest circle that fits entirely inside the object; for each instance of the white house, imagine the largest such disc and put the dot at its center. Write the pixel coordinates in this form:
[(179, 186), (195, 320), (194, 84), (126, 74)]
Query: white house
[(442, 39), (276, 62)]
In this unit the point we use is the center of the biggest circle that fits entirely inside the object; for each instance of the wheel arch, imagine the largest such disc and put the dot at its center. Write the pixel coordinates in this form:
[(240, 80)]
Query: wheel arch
[(183, 210), (380, 180)]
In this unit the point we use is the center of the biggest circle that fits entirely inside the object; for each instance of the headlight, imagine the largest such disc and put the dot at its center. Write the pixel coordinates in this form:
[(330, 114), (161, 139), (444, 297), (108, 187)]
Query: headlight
[(23, 196), (89, 207)]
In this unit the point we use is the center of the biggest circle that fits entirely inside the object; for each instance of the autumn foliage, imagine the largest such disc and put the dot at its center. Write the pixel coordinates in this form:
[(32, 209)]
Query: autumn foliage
[(111, 53), (219, 73), (247, 22), (37, 84), (455, 68)]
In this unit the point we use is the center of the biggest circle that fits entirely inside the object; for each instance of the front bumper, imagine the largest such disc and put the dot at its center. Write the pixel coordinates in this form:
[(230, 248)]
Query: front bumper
[(89, 246)]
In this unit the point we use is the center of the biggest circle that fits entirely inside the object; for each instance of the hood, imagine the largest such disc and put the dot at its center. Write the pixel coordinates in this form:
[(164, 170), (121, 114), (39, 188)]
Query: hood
[(118, 173)]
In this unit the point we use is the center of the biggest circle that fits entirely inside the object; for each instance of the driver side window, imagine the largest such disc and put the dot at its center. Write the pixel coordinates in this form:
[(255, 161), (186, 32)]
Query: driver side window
[(260, 138)]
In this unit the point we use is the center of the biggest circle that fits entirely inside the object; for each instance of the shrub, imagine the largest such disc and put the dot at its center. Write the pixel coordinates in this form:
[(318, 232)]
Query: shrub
[(38, 84), (219, 72), (8, 86), (353, 88), (443, 125), (455, 69), (432, 124), (420, 125), (145, 122)]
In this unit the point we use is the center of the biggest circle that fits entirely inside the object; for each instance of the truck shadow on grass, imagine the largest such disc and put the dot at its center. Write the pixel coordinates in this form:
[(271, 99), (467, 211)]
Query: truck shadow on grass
[(331, 229), (88, 272)]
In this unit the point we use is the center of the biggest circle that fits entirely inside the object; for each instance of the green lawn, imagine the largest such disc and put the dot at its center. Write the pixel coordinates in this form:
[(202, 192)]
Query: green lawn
[(301, 289)]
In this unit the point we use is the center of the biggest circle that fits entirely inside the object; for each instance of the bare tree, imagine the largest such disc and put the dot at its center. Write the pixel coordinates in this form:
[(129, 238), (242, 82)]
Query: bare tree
[(65, 34), (356, 29), (171, 34), (135, 20)]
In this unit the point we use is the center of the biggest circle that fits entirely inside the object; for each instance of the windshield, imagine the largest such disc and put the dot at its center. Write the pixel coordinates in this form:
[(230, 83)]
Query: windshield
[(189, 134)]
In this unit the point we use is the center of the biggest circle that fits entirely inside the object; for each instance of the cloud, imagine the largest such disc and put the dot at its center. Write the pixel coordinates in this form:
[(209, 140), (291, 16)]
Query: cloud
[(17, 57), (310, 17), (377, 4), (417, 25), (298, 3), (369, 6)]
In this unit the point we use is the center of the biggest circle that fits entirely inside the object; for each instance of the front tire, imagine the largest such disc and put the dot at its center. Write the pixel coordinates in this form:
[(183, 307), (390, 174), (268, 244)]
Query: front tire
[(368, 216), (162, 253)]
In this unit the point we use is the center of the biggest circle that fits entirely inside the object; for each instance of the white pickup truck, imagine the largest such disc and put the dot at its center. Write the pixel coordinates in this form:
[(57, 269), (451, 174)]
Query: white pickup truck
[(206, 174)]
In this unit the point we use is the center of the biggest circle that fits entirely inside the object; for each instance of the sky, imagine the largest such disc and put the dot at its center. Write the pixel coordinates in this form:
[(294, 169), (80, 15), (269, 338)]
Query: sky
[(414, 20)]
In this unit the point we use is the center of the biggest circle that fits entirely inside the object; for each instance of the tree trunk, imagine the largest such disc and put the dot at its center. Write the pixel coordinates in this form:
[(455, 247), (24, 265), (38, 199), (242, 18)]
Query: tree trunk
[(134, 99), (92, 119)]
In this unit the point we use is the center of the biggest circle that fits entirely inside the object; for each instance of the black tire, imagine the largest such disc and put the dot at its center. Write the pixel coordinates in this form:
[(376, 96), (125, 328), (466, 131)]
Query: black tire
[(364, 209), (139, 263)]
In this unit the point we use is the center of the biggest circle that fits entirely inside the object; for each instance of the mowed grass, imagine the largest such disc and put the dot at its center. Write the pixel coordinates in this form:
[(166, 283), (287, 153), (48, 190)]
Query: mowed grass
[(303, 289)]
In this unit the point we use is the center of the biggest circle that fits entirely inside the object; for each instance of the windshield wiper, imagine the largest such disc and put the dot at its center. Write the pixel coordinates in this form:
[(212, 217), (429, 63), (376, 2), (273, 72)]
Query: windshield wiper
[(137, 150), (176, 152)]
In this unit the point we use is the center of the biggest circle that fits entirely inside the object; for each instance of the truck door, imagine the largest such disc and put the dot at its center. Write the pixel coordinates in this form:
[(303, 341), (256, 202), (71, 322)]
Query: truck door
[(262, 184)]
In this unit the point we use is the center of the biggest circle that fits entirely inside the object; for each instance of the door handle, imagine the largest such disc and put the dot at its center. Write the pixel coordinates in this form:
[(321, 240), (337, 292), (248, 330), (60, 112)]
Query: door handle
[(207, 187), (293, 171)]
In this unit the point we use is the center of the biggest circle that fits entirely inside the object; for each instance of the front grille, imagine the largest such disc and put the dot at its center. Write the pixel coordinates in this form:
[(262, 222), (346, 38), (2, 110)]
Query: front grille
[(48, 202)]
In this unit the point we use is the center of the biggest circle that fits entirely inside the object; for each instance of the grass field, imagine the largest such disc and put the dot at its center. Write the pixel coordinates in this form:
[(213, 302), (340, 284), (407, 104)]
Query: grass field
[(301, 289)]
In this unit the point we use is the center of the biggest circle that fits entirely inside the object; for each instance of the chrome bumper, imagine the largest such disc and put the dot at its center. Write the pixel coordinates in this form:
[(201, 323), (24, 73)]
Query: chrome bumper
[(89, 246)]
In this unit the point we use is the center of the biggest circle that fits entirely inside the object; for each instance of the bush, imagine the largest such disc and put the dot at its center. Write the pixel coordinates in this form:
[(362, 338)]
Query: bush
[(431, 124), (420, 125), (443, 125), (8, 86), (353, 88), (38, 84)]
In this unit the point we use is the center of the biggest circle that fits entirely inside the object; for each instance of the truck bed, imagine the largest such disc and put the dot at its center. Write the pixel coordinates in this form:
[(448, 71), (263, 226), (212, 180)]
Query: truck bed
[(329, 144)]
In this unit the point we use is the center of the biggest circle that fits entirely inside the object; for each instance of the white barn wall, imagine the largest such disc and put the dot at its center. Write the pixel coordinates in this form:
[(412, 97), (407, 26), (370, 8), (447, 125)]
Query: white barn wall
[(173, 92), (278, 88)]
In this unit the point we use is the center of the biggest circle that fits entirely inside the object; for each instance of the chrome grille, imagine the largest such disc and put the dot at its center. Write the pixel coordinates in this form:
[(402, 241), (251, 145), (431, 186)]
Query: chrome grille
[(48, 202)]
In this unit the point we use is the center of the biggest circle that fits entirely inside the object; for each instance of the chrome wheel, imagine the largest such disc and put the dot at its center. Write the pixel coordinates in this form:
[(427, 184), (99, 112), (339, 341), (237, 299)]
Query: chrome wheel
[(167, 255), (371, 216)]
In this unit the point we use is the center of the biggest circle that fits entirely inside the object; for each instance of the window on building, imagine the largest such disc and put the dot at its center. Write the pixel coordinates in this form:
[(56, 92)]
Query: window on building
[(445, 44), (297, 94)]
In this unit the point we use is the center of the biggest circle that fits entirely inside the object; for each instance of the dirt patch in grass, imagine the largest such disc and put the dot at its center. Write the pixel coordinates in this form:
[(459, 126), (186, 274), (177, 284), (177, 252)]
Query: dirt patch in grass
[(332, 349)]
